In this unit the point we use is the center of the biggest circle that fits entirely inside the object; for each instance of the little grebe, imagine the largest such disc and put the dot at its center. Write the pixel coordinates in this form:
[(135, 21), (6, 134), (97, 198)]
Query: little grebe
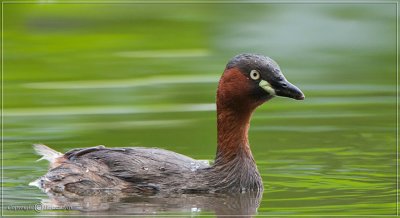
[(248, 81)]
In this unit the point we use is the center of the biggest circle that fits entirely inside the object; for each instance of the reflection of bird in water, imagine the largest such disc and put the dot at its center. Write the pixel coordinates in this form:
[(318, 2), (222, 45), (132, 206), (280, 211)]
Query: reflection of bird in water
[(247, 82), (218, 203)]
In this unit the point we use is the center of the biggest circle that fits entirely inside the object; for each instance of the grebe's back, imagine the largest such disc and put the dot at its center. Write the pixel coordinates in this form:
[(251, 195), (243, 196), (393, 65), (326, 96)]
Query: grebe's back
[(87, 171)]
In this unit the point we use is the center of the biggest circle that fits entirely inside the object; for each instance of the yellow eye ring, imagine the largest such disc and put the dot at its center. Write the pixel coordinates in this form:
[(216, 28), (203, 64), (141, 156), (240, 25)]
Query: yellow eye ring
[(254, 75)]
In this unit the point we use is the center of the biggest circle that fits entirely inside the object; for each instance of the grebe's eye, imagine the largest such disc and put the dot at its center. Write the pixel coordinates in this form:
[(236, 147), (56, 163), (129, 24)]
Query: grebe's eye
[(254, 75)]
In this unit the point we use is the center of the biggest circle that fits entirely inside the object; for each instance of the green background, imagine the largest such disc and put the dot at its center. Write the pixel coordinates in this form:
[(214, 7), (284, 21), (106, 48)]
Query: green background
[(78, 75)]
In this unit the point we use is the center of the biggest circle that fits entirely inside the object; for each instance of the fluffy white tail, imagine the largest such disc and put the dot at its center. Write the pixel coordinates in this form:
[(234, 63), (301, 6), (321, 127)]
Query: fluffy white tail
[(35, 183), (47, 153)]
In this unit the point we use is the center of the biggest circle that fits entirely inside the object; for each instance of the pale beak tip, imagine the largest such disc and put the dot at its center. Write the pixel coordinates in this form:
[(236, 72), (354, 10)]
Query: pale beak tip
[(301, 97)]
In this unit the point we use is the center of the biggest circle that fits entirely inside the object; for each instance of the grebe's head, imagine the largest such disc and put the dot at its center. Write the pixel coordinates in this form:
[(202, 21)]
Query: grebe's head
[(250, 80)]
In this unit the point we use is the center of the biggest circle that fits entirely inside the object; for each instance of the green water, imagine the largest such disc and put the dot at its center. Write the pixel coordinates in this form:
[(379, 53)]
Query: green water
[(78, 75)]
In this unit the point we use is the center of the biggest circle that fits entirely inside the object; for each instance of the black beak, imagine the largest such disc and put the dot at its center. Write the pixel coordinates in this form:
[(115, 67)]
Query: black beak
[(285, 89)]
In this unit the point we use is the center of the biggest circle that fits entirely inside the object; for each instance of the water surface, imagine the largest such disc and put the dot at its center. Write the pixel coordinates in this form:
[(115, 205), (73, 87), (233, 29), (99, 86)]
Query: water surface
[(78, 75)]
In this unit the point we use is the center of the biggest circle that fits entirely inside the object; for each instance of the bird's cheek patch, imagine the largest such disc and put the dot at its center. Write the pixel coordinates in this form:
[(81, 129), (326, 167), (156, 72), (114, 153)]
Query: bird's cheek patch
[(267, 87)]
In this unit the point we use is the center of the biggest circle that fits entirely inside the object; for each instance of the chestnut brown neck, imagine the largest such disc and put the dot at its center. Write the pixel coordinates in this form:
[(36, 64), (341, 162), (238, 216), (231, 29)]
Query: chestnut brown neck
[(234, 110), (232, 128)]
